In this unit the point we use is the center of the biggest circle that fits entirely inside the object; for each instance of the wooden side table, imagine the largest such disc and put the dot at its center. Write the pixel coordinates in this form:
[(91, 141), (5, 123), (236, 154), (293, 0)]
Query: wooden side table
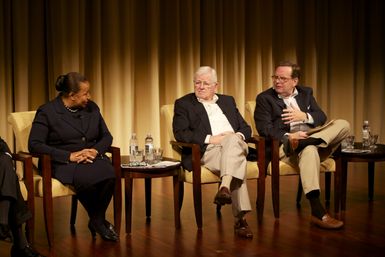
[(149, 172), (376, 155)]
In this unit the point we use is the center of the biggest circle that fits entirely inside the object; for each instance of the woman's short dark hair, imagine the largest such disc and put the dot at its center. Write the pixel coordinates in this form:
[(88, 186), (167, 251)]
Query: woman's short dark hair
[(69, 82), (296, 70)]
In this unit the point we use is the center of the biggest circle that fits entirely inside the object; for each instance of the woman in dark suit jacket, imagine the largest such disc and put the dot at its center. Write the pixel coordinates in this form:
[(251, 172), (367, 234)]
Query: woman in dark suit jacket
[(72, 131)]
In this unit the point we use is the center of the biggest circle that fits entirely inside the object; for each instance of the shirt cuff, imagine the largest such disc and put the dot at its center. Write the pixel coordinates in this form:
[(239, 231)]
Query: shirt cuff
[(207, 139), (310, 119), (10, 155), (243, 136)]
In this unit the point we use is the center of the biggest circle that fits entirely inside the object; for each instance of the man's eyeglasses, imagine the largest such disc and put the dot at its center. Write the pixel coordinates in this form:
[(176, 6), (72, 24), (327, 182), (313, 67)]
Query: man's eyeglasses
[(280, 79), (205, 84)]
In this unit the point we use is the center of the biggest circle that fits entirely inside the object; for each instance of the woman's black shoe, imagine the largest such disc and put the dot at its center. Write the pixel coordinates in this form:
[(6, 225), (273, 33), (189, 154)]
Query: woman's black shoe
[(111, 228), (27, 251), (104, 232), (5, 233)]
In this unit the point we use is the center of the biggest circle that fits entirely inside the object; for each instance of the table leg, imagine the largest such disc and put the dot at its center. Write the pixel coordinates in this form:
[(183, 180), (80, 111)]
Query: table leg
[(128, 202), (176, 183), (337, 185), (344, 181), (147, 185), (371, 180)]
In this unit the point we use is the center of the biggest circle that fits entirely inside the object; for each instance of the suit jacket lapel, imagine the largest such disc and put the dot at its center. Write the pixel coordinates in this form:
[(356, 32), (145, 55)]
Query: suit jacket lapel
[(65, 115), (301, 103), (200, 111), (280, 102), (226, 111), (85, 120)]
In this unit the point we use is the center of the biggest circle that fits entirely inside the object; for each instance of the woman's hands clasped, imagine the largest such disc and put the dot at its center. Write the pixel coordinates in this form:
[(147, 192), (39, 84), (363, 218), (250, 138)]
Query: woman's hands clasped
[(84, 156)]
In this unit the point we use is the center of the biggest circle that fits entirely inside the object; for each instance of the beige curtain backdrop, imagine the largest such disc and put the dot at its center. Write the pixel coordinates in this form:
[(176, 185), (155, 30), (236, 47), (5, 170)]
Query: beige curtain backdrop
[(141, 54)]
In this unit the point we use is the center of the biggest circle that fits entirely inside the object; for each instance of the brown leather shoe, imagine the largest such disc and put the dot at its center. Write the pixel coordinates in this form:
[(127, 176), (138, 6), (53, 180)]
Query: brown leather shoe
[(327, 222), (241, 229), (223, 196)]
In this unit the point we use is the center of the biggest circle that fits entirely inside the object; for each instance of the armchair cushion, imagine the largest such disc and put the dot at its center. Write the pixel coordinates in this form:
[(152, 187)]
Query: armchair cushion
[(208, 177), (58, 189)]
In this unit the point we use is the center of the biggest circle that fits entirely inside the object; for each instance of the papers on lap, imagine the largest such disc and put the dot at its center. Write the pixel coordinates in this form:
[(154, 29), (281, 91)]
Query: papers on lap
[(316, 129)]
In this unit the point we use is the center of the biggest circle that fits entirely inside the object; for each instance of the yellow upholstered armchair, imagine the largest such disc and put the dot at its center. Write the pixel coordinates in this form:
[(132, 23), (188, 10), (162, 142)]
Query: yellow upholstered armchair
[(49, 188), (276, 168), (201, 175)]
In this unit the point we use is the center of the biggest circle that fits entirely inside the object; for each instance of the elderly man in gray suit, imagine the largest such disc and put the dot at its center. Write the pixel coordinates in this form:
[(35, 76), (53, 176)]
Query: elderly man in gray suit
[(213, 121)]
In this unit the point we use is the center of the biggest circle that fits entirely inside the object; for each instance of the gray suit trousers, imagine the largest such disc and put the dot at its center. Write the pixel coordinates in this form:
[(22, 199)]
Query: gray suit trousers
[(229, 158)]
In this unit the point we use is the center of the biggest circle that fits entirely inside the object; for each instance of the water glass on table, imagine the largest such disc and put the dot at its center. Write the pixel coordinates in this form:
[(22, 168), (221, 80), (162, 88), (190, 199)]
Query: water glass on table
[(349, 142), (372, 141), (138, 155), (158, 154)]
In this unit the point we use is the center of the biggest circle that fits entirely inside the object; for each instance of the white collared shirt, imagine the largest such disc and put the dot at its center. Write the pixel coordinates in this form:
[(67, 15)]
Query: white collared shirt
[(291, 103), (218, 121)]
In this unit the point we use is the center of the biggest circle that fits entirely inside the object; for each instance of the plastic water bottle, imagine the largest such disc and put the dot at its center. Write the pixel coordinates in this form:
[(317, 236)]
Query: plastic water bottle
[(133, 146), (148, 149), (365, 135)]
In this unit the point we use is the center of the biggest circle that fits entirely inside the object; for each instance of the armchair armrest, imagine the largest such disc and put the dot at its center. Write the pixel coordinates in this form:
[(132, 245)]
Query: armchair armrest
[(26, 159), (260, 144), (45, 162), (274, 143), (195, 158), (115, 159)]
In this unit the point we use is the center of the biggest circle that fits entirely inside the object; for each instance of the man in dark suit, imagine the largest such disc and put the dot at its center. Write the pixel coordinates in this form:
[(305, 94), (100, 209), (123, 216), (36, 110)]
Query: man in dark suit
[(214, 122), (13, 210), (286, 112)]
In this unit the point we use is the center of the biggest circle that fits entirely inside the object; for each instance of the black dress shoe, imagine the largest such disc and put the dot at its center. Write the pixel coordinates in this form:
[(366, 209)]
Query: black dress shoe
[(27, 251), (5, 232), (111, 228), (223, 196), (242, 229), (103, 231)]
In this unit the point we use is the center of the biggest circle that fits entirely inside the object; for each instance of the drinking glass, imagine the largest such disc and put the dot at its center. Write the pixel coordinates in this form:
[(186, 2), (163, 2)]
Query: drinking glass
[(158, 154), (138, 155), (372, 141), (349, 140)]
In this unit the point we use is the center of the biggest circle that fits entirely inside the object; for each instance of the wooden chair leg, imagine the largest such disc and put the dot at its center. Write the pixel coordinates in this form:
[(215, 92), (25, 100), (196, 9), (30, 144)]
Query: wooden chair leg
[(275, 176), (275, 194), (30, 224), (176, 185), (118, 206), (181, 194), (197, 194), (30, 229), (74, 209), (328, 180), (118, 188), (299, 193), (260, 198), (48, 219)]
